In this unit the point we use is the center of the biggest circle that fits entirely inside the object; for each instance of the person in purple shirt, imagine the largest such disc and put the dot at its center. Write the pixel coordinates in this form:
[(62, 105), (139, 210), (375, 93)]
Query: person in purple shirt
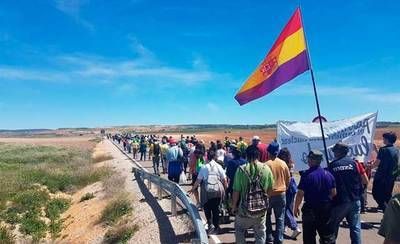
[(317, 186)]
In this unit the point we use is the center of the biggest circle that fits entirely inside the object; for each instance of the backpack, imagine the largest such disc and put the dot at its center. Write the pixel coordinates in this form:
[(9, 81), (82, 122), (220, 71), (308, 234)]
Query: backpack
[(255, 202), (212, 186)]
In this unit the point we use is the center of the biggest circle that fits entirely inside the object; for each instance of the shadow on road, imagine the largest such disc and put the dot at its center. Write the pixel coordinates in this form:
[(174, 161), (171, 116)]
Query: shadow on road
[(167, 233)]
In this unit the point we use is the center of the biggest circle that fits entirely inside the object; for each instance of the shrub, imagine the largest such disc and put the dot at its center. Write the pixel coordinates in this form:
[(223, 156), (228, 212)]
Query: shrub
[(55, 228), (32, 199), (6, 236), (56, 207), (115, 210), (32, 225), (86, 197), (11, 215), (120, 234)]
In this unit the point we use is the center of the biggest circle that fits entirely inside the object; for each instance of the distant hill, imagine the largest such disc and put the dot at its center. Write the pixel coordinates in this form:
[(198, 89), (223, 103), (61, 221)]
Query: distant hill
[(385, 124), (27, 131), (155, 128)]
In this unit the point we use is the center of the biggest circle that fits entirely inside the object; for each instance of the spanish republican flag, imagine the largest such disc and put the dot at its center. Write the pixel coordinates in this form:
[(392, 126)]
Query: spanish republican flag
[(287, 59)]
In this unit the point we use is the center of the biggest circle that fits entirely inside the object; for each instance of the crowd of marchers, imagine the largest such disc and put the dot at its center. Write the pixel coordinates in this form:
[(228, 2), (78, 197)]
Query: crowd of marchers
[(250, 181)]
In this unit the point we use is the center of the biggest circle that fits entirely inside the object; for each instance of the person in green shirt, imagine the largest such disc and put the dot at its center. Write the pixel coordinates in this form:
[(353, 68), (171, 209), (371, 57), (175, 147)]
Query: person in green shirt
[(242, 145), (241, 187)]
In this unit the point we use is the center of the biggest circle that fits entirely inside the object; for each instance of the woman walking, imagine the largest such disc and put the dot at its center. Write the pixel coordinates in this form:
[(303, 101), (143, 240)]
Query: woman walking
[(290, 220), (213, 183)]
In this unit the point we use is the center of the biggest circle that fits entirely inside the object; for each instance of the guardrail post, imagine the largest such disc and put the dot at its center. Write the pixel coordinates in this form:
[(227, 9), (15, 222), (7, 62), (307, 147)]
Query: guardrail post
[(173, 204), (159, 190)]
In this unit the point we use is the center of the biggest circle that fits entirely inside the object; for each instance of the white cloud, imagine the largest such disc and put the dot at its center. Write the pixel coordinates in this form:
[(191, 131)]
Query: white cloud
[(16, 73), (145, 68), (72, 8)]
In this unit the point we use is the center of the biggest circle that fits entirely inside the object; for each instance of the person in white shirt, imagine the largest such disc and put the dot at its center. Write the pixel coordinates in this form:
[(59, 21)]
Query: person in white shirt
[(211, 176), (220, 153)]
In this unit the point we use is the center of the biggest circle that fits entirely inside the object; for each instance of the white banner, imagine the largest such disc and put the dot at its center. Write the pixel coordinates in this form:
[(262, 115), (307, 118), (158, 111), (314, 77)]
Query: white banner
[(300, 138)]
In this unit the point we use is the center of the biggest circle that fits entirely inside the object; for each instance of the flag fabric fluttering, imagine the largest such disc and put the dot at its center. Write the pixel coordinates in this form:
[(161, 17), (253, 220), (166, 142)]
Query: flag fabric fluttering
[(287, 59)]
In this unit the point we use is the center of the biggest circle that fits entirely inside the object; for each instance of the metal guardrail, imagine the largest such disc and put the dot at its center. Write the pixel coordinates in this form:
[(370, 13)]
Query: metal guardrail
[(176, 192)]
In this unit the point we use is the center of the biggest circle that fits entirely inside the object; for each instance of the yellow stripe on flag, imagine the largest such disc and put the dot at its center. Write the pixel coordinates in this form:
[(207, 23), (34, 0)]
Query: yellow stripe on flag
[(293, 45), (258, 77)]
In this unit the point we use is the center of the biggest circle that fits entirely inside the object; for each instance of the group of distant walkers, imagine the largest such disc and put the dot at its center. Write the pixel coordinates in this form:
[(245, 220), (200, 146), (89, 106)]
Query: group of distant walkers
[(252, 181)]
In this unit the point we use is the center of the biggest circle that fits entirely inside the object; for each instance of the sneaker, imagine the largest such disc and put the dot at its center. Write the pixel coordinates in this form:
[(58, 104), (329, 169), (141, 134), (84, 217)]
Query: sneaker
[(295, 234), (210, 229), (214, 231), (285, 230)]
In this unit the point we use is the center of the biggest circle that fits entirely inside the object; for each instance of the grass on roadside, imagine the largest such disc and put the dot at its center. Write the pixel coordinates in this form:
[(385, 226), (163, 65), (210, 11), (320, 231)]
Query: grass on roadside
[(24, 170), (6, 235), (32, 224), (87, 196), (115, 210), (120, 234), (96, 140), (101, 158)]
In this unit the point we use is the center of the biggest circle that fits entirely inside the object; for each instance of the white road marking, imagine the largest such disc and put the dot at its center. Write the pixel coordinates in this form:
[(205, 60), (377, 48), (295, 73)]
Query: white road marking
[(215, 238)]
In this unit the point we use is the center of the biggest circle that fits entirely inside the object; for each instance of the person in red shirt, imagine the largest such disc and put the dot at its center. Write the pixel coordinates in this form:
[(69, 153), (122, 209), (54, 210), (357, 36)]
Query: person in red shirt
[(262, 148)]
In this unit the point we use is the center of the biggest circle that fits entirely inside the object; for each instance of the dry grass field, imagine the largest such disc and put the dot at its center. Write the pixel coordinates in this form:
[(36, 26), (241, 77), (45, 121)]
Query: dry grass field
[(81, 142), (266, 135)]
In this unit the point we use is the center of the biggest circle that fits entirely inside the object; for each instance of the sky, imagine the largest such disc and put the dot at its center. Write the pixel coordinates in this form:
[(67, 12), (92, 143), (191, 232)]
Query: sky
[(95, 63)]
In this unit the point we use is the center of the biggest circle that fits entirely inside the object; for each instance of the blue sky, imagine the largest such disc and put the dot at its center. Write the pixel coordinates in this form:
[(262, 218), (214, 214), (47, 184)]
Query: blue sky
[(101, 63)]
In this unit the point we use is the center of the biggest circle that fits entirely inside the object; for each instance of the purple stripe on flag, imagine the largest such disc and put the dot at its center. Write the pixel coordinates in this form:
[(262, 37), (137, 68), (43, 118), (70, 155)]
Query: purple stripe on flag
[(283, 74)]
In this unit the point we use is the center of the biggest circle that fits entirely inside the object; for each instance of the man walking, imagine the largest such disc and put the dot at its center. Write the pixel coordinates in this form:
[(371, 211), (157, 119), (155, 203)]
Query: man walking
[(174, 163), (232, 166), (143, 149), (281, 174), (164, 149), (349, 188), (251, 184), (213, 183), (317, 187), (156, 157), (262, 148), (387, 162)]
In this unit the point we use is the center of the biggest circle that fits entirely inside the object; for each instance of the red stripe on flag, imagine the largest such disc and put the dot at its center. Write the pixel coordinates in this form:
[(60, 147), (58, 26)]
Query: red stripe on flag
[(291, 27)]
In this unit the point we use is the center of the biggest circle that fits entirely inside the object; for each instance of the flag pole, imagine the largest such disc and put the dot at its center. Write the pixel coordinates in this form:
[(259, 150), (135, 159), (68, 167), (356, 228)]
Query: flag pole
[(315, 90)]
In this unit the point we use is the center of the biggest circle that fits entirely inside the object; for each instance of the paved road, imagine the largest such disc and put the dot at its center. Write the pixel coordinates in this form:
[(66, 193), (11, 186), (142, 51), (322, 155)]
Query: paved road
[(370, 223)]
